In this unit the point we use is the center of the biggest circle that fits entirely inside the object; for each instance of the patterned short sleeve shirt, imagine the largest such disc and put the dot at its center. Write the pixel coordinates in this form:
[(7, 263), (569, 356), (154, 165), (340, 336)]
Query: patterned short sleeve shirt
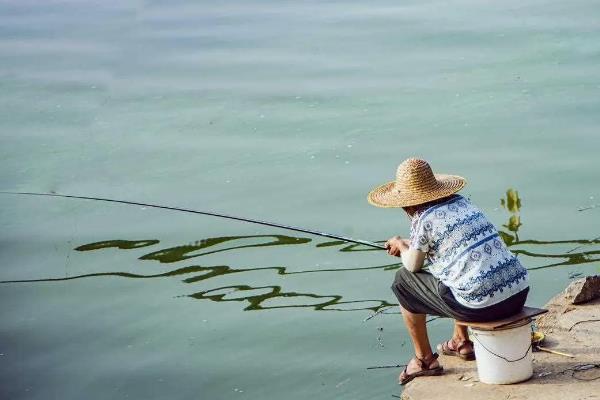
[(467, 254)]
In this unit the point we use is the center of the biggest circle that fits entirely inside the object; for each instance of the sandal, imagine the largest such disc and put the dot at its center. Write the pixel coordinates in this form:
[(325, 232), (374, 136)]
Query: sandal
[(446, 350), (405, 377)]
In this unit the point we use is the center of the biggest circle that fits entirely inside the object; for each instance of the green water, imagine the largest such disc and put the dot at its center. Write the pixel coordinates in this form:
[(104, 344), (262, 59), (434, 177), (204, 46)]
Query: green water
[(279, 110)]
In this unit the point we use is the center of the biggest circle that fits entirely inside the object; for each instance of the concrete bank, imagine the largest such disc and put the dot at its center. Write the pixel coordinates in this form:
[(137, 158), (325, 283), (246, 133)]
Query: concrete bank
[(569, 328)]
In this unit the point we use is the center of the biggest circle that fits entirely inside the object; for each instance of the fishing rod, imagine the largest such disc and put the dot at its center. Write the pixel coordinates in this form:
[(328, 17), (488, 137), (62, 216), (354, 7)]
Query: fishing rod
[(212, 214)]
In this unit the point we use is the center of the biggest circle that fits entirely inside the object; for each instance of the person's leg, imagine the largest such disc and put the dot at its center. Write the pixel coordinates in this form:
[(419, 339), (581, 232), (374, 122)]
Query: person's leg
[(415, 323), (417, 329), (460, 333)]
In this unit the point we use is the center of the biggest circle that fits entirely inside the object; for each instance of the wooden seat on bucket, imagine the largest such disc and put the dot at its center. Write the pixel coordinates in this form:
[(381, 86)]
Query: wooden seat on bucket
[(526, 314)]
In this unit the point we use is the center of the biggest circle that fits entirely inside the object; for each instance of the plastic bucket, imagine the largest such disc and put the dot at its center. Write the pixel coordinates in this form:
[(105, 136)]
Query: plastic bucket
[(503, 356)]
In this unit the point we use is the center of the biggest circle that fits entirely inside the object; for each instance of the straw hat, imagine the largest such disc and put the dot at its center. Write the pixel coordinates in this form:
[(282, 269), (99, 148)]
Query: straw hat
[(415, 184)]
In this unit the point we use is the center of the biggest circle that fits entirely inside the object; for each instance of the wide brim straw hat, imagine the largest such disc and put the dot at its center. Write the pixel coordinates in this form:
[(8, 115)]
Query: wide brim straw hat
[(415, 184)]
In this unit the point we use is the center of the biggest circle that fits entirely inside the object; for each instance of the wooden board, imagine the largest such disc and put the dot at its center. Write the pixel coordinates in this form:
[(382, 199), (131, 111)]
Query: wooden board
[(526, 312)]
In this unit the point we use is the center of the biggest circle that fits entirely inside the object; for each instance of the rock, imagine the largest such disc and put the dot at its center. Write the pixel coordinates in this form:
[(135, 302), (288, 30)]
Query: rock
[(583, 290)]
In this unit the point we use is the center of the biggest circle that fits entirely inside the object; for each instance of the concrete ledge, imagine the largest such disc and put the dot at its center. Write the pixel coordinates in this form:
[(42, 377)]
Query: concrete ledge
[(569, 328)]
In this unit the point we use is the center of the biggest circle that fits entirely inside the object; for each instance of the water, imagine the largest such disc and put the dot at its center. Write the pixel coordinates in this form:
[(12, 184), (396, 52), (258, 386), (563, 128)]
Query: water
[(284, 111)]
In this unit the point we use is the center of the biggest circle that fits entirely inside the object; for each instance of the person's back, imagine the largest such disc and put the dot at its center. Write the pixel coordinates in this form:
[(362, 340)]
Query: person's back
[(467, 254)]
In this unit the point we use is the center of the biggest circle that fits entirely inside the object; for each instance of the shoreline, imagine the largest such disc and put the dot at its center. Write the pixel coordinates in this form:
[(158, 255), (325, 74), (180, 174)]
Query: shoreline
[(569, 328)]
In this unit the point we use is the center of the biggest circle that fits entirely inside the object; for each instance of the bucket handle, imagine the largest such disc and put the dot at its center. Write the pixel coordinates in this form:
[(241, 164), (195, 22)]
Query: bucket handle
[(498, 355)]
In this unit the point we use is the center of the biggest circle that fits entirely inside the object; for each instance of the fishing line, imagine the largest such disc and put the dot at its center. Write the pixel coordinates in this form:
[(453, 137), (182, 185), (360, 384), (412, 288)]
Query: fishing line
[(209, 213)]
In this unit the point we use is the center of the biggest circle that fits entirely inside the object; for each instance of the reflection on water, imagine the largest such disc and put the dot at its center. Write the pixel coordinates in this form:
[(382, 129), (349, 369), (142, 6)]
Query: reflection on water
[(350, 246), (119, 244), (296, 300), (180, 253), (512, 203), (268, 297), (272, 297)]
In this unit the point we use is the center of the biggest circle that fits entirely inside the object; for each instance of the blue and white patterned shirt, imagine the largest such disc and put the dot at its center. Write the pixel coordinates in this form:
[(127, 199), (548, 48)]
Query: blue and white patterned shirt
[(466, 253)]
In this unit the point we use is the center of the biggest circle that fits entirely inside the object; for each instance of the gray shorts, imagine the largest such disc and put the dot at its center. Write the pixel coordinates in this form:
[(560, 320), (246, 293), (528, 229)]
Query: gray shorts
[(422, 293)]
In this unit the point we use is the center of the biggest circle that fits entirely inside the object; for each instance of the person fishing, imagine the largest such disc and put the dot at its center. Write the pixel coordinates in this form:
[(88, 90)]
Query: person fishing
[(470, 276)]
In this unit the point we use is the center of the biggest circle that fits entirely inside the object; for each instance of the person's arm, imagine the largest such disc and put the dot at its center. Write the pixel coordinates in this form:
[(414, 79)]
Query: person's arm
[(412, 259)]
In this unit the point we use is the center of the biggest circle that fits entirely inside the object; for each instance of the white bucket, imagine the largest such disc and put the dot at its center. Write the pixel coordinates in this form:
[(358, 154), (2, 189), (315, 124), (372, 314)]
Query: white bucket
[(503, 356)]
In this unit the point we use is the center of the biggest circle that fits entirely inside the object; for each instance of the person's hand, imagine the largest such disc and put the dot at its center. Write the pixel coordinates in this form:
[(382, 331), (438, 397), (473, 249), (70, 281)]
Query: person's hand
[(395, 246)]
